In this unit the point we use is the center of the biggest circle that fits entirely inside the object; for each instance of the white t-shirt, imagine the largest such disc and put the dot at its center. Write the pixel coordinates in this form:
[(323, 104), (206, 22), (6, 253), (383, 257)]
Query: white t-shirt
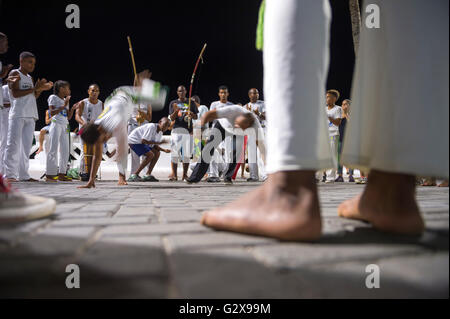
[(202, 109), (56, 102), (218, 105), (148, 132), (335, 113), (228, 114), (5, 95), (91, 111), (260, 107), (25, 106)]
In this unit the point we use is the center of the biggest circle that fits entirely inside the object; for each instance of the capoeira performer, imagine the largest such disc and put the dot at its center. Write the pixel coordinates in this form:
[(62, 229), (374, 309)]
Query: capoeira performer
[(87, 112), (113, 121), (144, 141), (22, 118), (391, 86), (233, 121)]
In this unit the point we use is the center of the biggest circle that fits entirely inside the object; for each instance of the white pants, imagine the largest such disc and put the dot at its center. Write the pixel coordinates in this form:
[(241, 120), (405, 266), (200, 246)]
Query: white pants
[(334, 147), (18, 147), (400, 106), (252, 157), (182, 146), (4, 113), (58, 138)]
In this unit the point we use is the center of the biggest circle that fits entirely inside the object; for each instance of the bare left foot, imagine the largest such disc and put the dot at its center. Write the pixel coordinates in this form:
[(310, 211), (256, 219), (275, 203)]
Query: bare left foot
[(388, 203), (286, 207)]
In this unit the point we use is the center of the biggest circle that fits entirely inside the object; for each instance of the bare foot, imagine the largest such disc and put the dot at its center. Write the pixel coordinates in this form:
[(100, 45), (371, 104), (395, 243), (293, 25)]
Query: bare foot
[(443, 184), (39, 151), (388, 203), (122, 181), (286, 207)]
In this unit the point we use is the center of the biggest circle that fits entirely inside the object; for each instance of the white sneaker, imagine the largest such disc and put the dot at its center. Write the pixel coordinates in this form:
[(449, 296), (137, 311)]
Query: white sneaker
[(16, 207)]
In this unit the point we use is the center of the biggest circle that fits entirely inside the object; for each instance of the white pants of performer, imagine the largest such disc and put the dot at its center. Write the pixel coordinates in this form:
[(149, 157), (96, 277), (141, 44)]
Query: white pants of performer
[(4, 113), (218, 163), (18, 147), (400, 100), (253, 157), (58, 137), (182, 146)]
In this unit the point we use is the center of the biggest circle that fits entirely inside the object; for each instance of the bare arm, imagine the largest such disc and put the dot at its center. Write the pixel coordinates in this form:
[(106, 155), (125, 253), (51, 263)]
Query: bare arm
[(79, 113), (336, 122), (151, 143), (209, 117)]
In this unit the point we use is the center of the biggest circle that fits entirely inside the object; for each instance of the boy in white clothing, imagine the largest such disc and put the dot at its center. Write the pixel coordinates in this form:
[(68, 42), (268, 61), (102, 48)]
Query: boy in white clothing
[(22, 118), (334, 113), (87, 112)]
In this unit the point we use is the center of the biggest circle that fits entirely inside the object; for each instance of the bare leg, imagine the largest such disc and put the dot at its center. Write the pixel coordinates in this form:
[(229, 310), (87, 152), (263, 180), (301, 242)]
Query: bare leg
[(185, 170), (153, 162), (173, 177), (388, 203), (42, 134), (286, 207), (148, 158), (122, 180)]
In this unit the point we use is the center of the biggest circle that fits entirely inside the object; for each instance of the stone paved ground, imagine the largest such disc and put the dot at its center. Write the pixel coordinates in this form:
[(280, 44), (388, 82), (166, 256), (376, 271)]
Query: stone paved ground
[(145, 241)]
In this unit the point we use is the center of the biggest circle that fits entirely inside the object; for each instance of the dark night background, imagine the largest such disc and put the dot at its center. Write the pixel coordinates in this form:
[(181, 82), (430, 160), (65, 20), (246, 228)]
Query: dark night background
[(167, 38)]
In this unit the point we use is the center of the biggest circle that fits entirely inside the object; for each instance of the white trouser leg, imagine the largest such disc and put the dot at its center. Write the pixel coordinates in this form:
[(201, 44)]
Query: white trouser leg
[(52, 156), (122, 149), (296, 39), (400, 98), (334, 145), (14, 147), (3, 136), (64, 150), (81, 166), (27, 144), (135, 159), (252, 157)]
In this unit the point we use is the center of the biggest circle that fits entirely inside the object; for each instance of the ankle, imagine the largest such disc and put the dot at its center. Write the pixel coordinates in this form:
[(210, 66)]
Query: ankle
[(293, 181)]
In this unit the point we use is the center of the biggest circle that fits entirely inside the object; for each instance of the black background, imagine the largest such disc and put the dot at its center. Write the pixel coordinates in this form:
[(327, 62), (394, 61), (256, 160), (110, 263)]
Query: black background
[(167, 38)]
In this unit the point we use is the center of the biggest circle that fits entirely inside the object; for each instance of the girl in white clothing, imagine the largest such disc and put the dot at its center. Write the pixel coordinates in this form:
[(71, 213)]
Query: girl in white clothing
[(60, 112)]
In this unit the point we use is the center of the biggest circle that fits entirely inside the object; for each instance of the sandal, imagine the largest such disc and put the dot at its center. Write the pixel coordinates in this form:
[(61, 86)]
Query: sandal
[(173, 179)]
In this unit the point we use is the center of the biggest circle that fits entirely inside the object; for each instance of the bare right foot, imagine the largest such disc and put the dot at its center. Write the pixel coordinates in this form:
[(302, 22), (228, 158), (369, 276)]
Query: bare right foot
[(285, 207), (388, 203), (39, 151)]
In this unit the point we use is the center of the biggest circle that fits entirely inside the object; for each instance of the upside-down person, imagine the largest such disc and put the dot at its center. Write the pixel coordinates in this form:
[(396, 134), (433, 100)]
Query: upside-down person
[(113, 121), (231, 120)]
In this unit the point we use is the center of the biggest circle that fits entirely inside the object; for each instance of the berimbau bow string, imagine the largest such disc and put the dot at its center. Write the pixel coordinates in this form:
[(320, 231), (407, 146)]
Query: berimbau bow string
[(200, 58)]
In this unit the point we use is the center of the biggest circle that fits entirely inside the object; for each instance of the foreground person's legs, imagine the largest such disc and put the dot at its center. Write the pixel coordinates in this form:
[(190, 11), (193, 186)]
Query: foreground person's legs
[(295, 66), (17, 207), (388, 203), (392, 84)]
